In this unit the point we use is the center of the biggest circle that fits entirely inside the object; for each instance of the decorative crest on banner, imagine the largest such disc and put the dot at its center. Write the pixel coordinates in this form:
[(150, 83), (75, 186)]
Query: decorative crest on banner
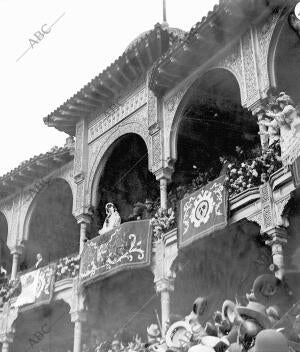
[(203, 212)]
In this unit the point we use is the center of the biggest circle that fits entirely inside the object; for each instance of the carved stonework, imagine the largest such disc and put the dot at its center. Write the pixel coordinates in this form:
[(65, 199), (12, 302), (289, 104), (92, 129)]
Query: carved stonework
[(136, 123), (264, 35), (257, 218), (152, 108), (266, 207), (156, 151), (250, 74), (79, 196), (114, 116), (78, 148), (280, 206), (232, 61), (172, 103)]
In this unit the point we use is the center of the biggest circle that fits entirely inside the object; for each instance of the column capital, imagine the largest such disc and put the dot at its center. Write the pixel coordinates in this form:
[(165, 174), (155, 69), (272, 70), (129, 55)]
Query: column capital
[(277, 235), (17, 249), (78, 316), (83, 218), (7, 337), (164, 173), (166, 284)]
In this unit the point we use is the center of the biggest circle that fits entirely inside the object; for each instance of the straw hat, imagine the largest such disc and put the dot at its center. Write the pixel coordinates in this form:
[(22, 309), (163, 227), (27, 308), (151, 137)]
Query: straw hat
[(153, 330), (256, 311)]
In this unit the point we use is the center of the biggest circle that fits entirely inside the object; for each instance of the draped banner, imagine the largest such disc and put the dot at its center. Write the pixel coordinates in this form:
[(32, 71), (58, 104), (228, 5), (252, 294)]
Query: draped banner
[(36, 286), (296, 172), (126, 247), (203, 212)]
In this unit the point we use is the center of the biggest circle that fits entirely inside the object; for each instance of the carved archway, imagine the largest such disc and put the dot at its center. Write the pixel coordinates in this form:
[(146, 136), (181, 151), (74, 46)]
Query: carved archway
[(100, 150), (44, 328), (5, 257), (123, 178), (283, 58), (176, 105), (49, 226), (209, 122)]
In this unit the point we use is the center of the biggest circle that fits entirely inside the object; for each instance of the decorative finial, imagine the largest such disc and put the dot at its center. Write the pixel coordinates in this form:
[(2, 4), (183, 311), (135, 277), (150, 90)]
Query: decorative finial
[(165, 23), (164, 11)]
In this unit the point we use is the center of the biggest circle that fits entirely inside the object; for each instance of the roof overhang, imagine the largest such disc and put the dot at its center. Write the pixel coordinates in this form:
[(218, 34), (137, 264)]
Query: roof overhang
[(110, 84)]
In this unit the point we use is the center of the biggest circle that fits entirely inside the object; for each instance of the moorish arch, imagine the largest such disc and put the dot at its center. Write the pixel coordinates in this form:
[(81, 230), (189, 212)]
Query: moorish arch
[(283, 58), (42, 328), (5, 257), (49, 226), (209, 122), (123, 178), (122, 305), (100, 151)]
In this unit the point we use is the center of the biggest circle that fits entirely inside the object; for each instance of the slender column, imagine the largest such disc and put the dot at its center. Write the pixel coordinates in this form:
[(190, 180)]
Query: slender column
[(163, 183), (78, 318), (165, 287), (278, 237), (84, 220), (16, 253), (5, 346), (164, 176), (7, 339)]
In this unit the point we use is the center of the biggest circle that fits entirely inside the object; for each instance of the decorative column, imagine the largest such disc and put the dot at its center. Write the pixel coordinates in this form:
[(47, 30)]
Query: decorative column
[(7, 339), (164, 177), (165, 287), (83, 220), (16, 253), (78, 318), (278, 237)]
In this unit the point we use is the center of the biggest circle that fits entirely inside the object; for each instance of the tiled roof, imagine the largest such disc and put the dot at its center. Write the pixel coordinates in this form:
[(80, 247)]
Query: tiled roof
[(34, 168), (102, 90)]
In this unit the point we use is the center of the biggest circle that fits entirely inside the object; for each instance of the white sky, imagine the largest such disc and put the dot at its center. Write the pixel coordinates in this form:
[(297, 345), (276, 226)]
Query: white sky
[(90, 36)]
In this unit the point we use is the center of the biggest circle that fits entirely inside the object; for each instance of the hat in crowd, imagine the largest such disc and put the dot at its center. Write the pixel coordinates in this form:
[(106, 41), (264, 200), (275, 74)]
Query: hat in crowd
[(284, 98), (200, 305), (115, 343), (178, 333), (270, 340), (148, 201), (153, 330), (256, 311)]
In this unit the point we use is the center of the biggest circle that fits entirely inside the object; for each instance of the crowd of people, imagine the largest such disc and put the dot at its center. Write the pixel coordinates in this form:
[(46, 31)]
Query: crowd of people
[(233, 328)]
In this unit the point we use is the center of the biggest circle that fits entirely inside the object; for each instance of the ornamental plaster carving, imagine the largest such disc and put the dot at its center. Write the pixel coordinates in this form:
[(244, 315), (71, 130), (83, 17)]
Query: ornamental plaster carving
[(233, 62), (136, 123), (257, 218), (78, 148), (121, 111), (156, 151), (250, 74), (280, 207), (152, 108), (265, 31)]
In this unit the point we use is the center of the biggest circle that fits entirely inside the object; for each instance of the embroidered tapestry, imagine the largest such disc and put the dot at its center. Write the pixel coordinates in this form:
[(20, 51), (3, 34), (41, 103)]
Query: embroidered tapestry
[(126, 247), (203, 212)]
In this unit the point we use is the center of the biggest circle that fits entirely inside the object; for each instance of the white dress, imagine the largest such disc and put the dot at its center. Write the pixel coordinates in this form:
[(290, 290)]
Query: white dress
[(111, 221)]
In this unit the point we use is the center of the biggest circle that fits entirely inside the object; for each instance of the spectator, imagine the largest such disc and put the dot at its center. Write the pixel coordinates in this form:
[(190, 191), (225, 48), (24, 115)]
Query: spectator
[(39, 261)]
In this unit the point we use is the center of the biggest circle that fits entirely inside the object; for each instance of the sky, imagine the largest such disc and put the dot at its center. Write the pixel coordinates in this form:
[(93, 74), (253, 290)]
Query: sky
[(87, 37)]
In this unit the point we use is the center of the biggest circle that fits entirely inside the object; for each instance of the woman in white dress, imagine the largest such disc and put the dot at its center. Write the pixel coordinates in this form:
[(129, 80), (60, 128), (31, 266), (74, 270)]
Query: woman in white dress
[(112, 219)]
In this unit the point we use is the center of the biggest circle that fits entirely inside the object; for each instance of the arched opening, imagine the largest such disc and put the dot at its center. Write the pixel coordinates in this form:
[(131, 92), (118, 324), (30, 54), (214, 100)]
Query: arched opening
[(52, 231), (123, 306), (125, 179), (5, 257), (45, 328), (286, 62), (221, 266), (212, 124)]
